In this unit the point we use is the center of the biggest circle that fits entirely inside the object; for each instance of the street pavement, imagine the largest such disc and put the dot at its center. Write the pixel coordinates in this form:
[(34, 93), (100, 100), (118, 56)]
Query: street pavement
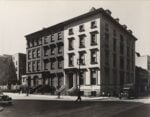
[(66, 106)]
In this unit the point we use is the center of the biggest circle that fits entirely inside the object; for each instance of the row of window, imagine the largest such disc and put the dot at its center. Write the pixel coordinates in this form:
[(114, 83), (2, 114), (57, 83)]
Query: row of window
[(46, 40), (35, 53), (34, 43), (93, 77), (53, 64), (52, 37), (82, 58), (82, 28), (52, 50), (34, 66), (82, 39)]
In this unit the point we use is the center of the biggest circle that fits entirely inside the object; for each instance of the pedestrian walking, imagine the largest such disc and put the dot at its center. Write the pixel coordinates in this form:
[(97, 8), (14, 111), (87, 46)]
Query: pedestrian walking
[(79, 96)]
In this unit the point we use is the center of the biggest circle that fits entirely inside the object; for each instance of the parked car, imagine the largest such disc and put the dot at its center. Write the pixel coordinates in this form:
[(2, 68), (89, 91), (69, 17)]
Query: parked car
[(127, 93), (5, 99)]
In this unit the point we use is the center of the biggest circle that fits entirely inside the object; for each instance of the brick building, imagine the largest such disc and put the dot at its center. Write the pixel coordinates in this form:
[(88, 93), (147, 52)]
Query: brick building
[(104, 48)]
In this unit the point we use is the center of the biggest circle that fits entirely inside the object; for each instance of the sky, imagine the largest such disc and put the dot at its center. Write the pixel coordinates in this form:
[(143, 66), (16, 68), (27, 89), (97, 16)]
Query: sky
[(19, 18)]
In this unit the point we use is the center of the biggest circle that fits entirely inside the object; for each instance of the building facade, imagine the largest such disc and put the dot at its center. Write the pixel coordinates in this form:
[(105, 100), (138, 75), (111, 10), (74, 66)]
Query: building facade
[(144, 63), (98, 54), (45, 57), (19, 60)]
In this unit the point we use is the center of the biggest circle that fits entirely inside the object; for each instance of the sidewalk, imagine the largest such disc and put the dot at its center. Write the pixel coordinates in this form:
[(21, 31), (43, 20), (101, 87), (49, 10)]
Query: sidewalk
[(23, 96), (17, 96)]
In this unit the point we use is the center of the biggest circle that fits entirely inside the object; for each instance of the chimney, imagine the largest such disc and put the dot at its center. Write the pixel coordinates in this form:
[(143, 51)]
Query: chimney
[(124, 26), (130, 31), (117, 19), (92, 9), (108, 11)]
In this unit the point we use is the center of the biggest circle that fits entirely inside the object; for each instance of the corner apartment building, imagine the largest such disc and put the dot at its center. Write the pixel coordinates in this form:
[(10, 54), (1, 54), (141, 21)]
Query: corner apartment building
[(104, 48), (19, 60)]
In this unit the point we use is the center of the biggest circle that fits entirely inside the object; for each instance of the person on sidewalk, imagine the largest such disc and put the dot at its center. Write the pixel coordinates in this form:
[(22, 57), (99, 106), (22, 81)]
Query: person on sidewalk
[(79, 96)]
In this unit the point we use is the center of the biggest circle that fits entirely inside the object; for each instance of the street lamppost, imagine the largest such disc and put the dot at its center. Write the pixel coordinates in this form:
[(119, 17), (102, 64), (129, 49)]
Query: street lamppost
[(79, 93)]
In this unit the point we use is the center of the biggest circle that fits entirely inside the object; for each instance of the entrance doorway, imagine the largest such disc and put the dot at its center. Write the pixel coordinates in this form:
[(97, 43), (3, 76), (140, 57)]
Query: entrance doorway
[(70, 79)]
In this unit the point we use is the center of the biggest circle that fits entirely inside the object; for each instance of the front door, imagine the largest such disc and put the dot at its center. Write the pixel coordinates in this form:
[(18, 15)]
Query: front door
[(70, 79)]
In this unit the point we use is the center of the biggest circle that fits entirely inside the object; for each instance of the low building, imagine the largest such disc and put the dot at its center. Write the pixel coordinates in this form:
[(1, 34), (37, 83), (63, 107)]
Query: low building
[(141, 80), (144, 63), (7, 72)]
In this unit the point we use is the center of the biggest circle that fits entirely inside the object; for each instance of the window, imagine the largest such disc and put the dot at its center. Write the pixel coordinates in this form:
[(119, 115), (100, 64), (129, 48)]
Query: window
[(106, 57), (40, 41), (60, 49), (114, 60), (46, 39), (35, 42), (29, 66), (94, 38), (82, 58), (121, 45), (33, 66), (70, 43), (114, 44), (106, 75), (82, 77), (59, 81), (93, 57), (114, 33), (38, 65), (81, 41), (53, 64), (34, 53), (29, 54), (93, 76), (106, 27), (46, 65), (46, 51), (106, 40), (59, 64), (71, 59), (128, 52), (59, 36), (52, 38), (30, 44), (81, 28), (121, 62), (93, 24), (71, 31), (128, 64), (52, 50), (38, 53)]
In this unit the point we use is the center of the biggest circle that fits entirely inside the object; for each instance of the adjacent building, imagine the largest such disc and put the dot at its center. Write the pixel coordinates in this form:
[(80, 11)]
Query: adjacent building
[(19, 60), (7, 72), (144, 63), (93, 52)]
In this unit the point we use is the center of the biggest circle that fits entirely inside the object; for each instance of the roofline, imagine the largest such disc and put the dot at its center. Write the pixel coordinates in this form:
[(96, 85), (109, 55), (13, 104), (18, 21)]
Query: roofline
[(99, 10)]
